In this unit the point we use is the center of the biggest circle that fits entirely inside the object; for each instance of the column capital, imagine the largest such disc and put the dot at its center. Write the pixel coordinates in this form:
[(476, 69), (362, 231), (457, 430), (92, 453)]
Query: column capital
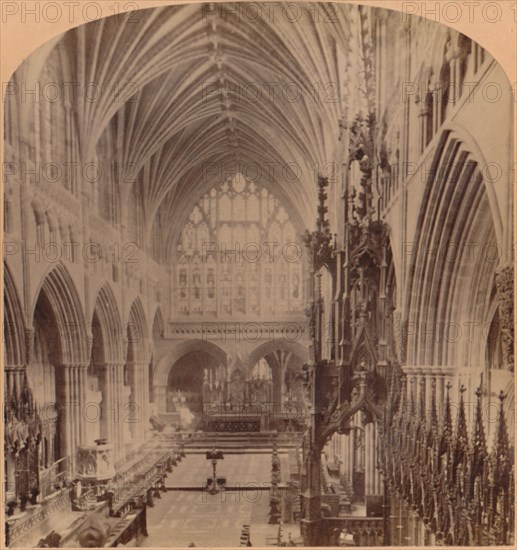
[(432, 370), (137, 363), (74, 365), (15, 368), (111, 364)]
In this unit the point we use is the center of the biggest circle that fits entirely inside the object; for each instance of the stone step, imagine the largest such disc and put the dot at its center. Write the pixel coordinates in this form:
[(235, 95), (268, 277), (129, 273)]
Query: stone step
[(261, 442)]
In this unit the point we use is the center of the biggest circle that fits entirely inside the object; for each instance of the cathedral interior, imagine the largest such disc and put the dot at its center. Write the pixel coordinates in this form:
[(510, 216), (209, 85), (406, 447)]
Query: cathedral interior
[(258, 282)]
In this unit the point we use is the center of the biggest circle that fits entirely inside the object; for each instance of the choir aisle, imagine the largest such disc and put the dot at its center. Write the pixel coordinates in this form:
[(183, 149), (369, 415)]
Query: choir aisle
[(186, 514), (240, 470)]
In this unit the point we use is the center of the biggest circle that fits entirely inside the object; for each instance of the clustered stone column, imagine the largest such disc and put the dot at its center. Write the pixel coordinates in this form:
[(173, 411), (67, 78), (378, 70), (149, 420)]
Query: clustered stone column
[(425, 116), (14, 376), (137, 413), (160, 398), (112, 413), (71, 396), (456, 56)]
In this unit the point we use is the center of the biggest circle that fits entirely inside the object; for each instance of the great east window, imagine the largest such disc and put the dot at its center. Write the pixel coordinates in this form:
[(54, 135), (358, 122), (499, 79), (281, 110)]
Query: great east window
[(239, 255)]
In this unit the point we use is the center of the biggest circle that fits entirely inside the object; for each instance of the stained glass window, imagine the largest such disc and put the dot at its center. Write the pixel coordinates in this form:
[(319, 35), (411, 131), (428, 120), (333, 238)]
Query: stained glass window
[(238, 255)]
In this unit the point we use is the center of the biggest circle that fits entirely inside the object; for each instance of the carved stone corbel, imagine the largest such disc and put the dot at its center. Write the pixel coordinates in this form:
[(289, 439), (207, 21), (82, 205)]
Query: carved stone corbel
[(399, 336), (29, 344), (504, 283)]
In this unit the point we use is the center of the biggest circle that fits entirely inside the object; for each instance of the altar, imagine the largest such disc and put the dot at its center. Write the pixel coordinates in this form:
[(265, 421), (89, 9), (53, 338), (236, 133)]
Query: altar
[(254, 417), (234, 423), (230, 397)]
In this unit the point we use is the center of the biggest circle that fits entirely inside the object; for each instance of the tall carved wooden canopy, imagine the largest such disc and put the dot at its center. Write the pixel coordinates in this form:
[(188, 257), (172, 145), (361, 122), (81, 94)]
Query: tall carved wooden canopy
[(355, 377), (357, 381), (462, 491)]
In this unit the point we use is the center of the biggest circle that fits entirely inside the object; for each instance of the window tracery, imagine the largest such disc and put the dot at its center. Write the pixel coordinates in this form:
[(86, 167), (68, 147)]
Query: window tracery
[(238, 255)]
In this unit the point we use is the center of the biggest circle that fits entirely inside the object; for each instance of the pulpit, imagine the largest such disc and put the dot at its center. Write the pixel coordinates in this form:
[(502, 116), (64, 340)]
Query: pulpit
[(95, 462)]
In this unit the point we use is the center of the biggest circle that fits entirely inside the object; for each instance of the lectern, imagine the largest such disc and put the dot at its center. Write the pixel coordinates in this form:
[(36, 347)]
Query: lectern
[(214, 484)]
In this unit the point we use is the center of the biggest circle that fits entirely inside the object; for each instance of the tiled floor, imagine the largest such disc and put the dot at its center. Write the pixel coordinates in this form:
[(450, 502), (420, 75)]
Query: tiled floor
[(239, 469), (182, 516)]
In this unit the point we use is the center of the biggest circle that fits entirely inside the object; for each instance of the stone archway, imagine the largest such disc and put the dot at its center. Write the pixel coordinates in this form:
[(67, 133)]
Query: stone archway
[(15, 380), (157, 333), (105, 368), (273, 345), (135, 387), (57, 370), (14, 330), (196, 382), (285, 360), (168, 359)]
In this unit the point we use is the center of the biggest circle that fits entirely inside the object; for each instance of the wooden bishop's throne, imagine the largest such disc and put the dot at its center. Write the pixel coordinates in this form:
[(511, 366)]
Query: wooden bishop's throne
[(353, 377)]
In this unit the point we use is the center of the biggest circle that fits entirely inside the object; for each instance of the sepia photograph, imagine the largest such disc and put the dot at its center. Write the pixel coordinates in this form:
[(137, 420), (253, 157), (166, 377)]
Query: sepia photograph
[(258, 275)]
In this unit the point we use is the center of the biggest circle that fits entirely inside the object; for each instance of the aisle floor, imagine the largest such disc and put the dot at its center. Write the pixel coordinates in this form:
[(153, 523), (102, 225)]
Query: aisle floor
[(249, 470), (182, 517)]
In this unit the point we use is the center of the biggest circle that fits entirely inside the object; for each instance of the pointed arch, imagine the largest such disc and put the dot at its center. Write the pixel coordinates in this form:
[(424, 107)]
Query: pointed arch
[(137, 333), (273, 345), (158, 325), (363, 350), (449, 281), (167, 361), (14, 329), (107, 328), (59, 290), (157, 332)]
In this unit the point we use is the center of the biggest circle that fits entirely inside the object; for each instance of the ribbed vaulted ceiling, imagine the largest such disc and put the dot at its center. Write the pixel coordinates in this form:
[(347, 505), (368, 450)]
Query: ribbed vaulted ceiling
[(286, 89)]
